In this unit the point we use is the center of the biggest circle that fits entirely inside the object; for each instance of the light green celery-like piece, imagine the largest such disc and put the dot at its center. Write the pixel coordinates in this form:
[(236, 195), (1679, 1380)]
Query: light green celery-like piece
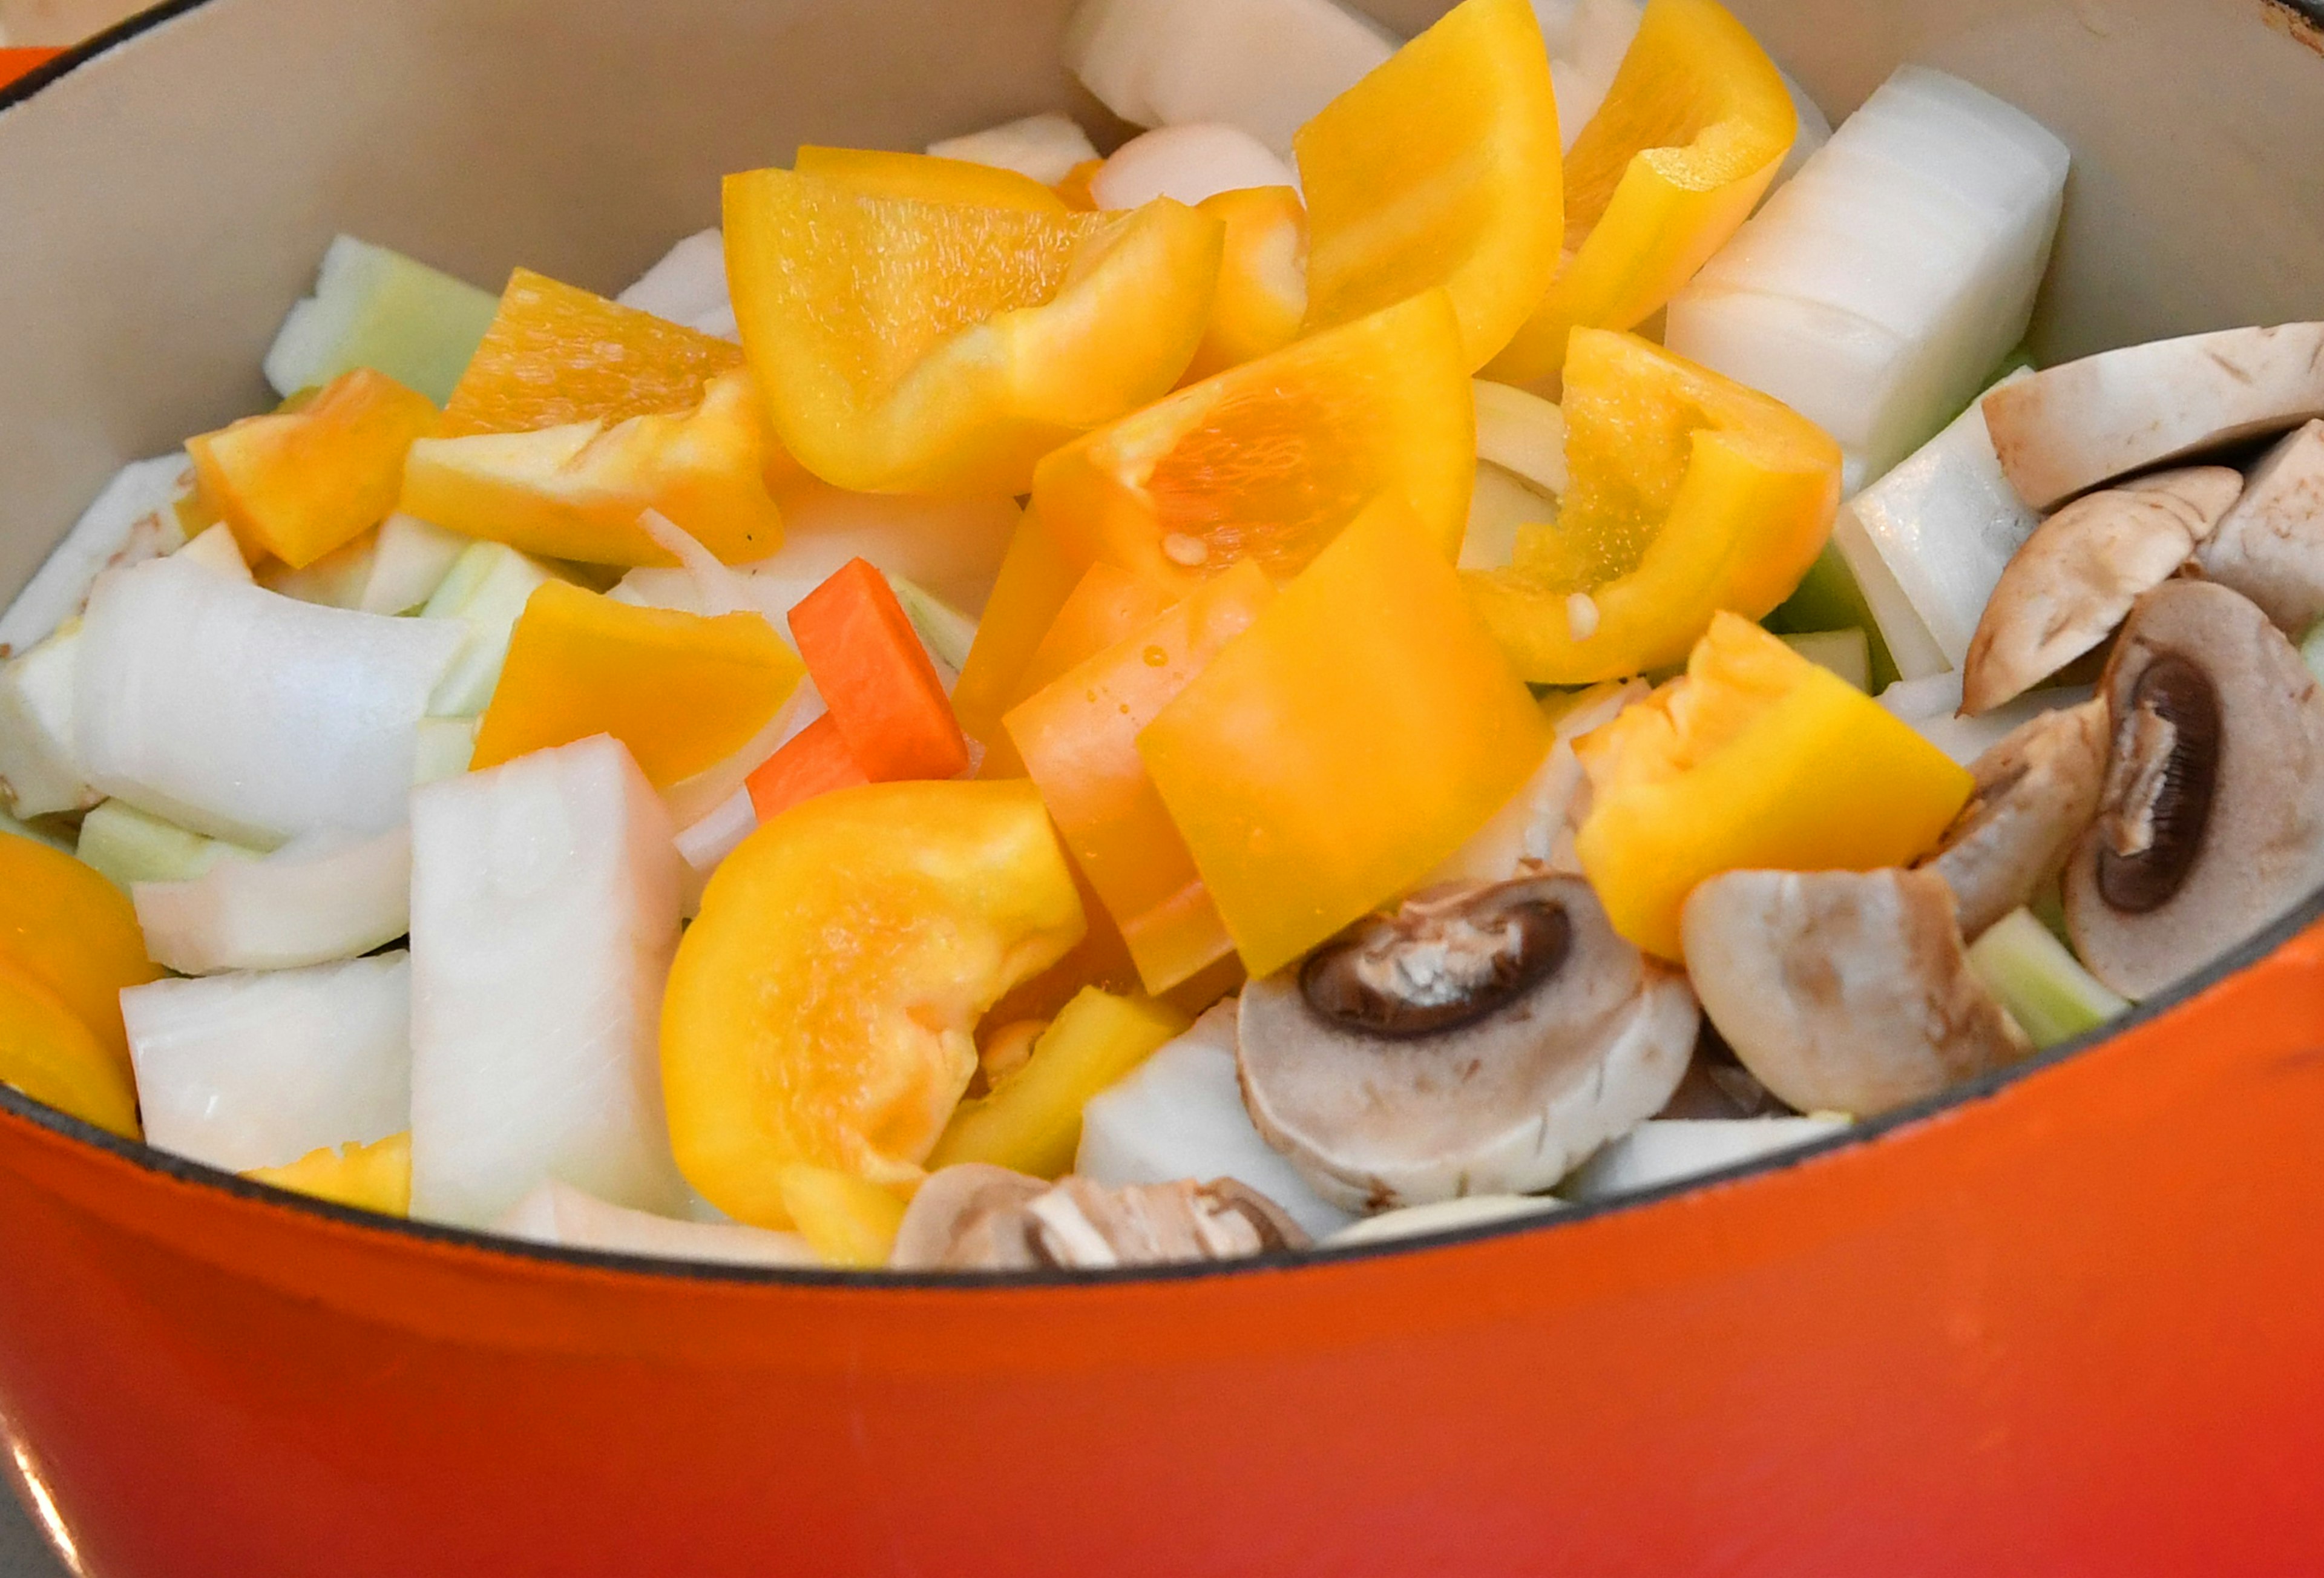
[(2040, 981)]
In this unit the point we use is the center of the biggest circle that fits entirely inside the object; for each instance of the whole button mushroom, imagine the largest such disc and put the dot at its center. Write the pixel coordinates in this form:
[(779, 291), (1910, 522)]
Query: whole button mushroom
[(2037, 793), (2212, 824), (1844, 991), (2076, 578), (1479, 1041)]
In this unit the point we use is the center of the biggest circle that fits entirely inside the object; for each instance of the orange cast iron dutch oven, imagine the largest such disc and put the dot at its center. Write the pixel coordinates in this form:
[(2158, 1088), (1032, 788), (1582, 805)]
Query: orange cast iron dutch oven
[(2069, 1321)]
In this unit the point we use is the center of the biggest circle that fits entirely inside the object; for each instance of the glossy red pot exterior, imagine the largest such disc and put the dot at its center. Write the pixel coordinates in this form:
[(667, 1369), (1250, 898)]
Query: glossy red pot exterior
[(2069, 1323)]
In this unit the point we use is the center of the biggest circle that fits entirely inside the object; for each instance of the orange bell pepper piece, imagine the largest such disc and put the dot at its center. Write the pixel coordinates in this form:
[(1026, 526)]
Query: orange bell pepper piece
[(684, 693), (1078, 738), (1105, 605), (1336, 753), (1692, 133), (1262, 292), (1757, 759), (928, 177), (369, 1178), (1037, 577), (814, 761), (50, 1054), (72, 934), (1689, 493), (929, 347), (1269, 460), (304, 481)]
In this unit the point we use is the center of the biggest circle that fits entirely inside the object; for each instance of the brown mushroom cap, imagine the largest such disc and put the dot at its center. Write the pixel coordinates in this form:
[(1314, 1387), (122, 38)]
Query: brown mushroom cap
[(1841, 990), (2076, 578), (2212, 824), (2270, 545), (976, 1218), (2073, 427), (1482, 1041), (2037, 792)]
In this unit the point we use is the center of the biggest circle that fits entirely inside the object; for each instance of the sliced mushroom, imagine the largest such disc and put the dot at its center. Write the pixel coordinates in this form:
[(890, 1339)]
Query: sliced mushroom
[(975, 1218), (2075, 580), (2270, 545), (1844, 991), (2212, 821), (1479, 1041), (2070, 428), (2037, 792)]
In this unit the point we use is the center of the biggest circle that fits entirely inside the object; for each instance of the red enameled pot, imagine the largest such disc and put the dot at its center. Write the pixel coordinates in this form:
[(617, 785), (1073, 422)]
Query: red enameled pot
[(2068, 1322)]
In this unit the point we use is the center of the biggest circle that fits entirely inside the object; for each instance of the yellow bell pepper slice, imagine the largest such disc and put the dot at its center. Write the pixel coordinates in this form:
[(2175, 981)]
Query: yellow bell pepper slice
[(1336, 753), (301, 482), (1757, 759), (75, 935), (822, 1008), (1692, 133), (1036, 577), (927, 178), (1688, 494), (367, 1177), (576, 492), (1031, 1122), (1078, 739), (847, 1222), (47, 1052), (927, 347), (683, 692), (556, 354), (1262, 293), (1269, 460), (1440, 168)]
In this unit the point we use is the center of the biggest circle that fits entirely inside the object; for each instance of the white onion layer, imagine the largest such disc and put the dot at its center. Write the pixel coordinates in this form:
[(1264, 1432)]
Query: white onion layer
[(129, 522), (246, 716), (1187, 163), (558, 1213), (323, 898), (544, 918), (1664, 1150), (1045, 147), (256, 1070)]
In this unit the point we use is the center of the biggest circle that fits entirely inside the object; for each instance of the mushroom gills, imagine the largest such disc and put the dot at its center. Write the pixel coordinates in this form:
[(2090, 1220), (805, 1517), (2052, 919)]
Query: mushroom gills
[(979, 1218), (1481, 1040), (1842, 991), (2212, 824), (2037, 792), (2074, 581)]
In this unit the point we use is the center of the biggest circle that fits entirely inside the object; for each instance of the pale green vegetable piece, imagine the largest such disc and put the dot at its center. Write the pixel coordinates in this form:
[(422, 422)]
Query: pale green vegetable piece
[(128, 847), (487, 589), (944, 630), (2040, 981), (1846, 652), (377, 309)]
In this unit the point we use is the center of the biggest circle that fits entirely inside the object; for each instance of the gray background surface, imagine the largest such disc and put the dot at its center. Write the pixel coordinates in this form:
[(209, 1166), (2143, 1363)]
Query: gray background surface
[(23, 1552)]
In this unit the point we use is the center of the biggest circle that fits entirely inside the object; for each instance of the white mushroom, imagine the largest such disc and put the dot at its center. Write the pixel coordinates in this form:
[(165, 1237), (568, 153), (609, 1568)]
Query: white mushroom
[(2270, 545), (1479, 1041), (2037, 792), (981, 1218), (2075, 580), (1844, 991), (2070, 428), (2212, 821)]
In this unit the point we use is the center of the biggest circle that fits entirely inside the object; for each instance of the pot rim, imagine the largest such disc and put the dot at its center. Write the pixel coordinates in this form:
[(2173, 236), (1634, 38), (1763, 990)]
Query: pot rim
[(164, 1164)]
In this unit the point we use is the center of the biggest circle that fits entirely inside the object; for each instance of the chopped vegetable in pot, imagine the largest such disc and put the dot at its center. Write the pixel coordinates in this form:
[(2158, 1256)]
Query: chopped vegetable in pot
[(1020, 708)]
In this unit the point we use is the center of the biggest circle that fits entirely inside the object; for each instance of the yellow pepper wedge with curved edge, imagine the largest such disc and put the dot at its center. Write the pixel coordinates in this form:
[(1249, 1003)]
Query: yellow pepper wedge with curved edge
[(47, 1052), (1078, 739), (928, 177), (1440, 168), (1757, 761), (74, 934), (1262, 294), (1031, 1122), (682, 691), (1267, 461), (1688, 495), (368, 1177), (1690, 136), (910, 346), (1338, 750), (847, 1222), (823, 1007), (576, 491), (317, 475)]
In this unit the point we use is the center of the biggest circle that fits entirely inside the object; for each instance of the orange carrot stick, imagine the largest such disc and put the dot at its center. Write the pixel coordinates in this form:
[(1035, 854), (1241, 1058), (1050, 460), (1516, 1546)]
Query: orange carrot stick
[(815, 762), (876, 678)]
